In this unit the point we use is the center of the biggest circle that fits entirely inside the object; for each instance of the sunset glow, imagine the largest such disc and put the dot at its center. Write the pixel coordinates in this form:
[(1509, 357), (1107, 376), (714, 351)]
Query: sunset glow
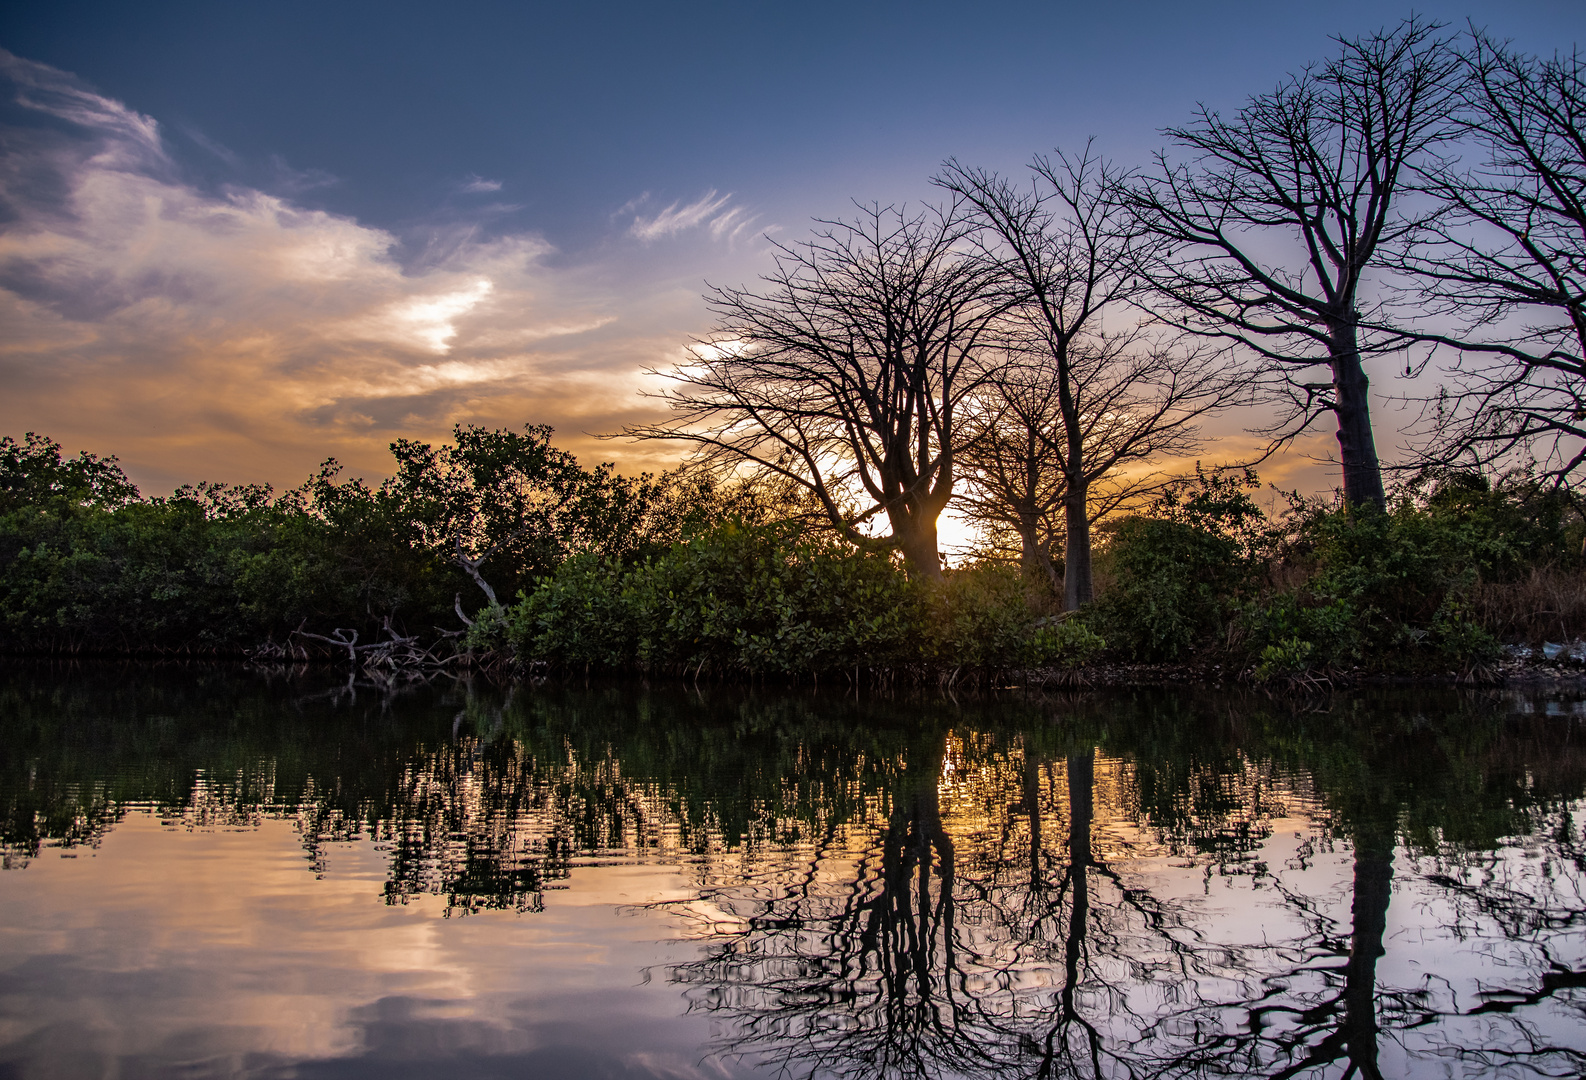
[(319, 287)]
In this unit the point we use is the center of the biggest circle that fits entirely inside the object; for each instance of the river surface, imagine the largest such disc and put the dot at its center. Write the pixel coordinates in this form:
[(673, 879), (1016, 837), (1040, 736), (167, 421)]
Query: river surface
[(217, 872)]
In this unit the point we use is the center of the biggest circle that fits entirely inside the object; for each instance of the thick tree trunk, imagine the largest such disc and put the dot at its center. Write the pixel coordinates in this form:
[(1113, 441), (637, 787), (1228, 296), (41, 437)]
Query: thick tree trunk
[(1357, 450), (915, 533), (1077, 588), (916, 538), (1035, 561)]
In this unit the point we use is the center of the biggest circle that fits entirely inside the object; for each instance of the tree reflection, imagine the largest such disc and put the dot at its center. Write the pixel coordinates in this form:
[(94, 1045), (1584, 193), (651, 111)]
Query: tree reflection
[(1020, 957), (1088, 886), (1314, 1004), (984, 953)]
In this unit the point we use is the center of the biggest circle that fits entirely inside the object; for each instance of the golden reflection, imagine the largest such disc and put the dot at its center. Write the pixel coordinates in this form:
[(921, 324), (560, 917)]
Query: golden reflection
[(975, 898)]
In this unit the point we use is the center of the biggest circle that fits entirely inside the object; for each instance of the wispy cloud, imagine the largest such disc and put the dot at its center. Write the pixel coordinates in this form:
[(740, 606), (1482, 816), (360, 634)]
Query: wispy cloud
[(133, 139), (290, 181), (711, 209), (224, 153), (235, 334), (477, 184)]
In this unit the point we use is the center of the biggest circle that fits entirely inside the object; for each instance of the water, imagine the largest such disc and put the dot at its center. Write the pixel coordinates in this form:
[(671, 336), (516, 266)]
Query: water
[(210, 872)]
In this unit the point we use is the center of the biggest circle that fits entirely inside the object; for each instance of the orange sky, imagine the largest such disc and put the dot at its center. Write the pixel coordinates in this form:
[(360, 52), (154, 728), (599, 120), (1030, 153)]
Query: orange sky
[(235, 335)]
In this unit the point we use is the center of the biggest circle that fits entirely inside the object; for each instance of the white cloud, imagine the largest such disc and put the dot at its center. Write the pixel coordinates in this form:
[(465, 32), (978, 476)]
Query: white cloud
[(477, 184), (235, 334), (710, 209), (130, 138), (431, 320)]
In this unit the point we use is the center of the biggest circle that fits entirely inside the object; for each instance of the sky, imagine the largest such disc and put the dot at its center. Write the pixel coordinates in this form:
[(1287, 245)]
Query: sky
[(238, 239)]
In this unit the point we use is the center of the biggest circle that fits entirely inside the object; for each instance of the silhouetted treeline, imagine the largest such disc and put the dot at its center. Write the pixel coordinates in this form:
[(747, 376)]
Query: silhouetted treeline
[(87, 564), (497, 544)]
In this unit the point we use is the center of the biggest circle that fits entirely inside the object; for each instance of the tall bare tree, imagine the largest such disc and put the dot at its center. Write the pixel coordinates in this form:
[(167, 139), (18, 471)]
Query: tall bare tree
[(1091, 402), (1509, 264), (1272, 233), (846, 371), (1013, 495), (1137, 402)]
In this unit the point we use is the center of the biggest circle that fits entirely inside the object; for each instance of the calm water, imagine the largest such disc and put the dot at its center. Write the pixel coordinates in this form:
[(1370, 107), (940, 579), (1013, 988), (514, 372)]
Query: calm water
[(217, 873)]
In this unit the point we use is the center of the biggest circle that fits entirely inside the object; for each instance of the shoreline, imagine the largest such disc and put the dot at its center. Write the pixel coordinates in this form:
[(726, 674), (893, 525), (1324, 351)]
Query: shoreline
[(1509, 673)]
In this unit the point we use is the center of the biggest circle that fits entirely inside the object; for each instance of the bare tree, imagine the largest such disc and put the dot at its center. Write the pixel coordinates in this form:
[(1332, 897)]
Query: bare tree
[(1094, 401), (1139, 402), (1013, 495), (846, 372), (1509, 263), (1272, 233)]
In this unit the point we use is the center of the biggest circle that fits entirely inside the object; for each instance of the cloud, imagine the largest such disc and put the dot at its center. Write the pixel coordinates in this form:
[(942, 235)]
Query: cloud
[(710, 209), (477, 184), (224, 153), (234, 334), (130, 139), (290, 181)]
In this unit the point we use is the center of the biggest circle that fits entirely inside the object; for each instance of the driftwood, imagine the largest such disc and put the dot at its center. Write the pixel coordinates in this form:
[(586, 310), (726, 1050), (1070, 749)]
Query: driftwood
[(397, 652)]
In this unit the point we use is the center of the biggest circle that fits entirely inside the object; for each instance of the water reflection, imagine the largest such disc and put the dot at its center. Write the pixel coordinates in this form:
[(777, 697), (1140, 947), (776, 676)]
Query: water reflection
[(1099, 885)]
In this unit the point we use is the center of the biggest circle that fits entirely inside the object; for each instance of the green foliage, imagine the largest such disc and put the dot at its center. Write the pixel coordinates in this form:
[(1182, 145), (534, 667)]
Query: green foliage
[(522, 506), (979, 618), (1172, 585), (85, 564), (1178, 572), (1392, 589), (1067, 644), (1330, 630), (1290, 656), (211, 568), (773, 600), (1218, 502), (34, 473), (1360, 587)]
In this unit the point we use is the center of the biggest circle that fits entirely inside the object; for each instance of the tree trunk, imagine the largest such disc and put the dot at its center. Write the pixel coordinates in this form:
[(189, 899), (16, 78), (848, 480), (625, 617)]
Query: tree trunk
[(1077, 588), (916, 538), (1035, 561), (1357, 451)]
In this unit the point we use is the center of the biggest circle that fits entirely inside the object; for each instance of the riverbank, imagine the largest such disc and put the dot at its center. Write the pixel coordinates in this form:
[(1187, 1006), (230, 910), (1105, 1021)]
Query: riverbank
[(1520, 668)]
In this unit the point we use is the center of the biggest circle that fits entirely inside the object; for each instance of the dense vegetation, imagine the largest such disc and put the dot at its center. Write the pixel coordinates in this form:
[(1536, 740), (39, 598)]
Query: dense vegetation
[(1453, 568), (610, 573), (88, 565), (499, 545)]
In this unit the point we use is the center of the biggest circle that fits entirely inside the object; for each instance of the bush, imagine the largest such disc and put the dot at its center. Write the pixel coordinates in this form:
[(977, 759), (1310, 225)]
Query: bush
[(980, 619), (1172, 586), (1329, 629), (1395, 589), (771, 600), (1178, 572)]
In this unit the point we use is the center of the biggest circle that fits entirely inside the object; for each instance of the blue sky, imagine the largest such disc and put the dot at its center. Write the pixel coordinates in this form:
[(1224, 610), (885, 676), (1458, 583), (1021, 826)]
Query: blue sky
[(237, 238)]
